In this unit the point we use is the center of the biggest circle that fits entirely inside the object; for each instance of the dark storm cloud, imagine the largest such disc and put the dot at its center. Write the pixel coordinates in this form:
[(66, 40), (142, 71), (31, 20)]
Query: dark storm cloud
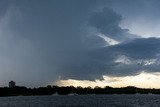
[(102, 61), (42, 40), (107, 22), (39, 38), (141, 48), (137, 50)]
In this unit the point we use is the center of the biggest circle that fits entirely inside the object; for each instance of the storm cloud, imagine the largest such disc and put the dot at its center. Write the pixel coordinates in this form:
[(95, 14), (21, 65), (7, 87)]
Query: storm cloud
[(107, 22), (41, 41)]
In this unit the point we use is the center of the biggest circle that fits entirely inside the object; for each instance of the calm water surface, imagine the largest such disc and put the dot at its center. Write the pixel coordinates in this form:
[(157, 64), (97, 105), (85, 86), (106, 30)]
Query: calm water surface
[(82, 101)]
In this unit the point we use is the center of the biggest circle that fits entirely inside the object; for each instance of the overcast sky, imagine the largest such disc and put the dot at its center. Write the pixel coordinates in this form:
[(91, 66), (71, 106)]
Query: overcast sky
[(42, 41)]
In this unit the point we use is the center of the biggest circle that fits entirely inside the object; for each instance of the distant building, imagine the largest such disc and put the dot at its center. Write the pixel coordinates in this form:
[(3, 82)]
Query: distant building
[(12, 84)]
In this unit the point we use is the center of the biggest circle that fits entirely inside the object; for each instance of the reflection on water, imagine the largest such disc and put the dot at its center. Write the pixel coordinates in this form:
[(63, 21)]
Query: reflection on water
[(81, 101)]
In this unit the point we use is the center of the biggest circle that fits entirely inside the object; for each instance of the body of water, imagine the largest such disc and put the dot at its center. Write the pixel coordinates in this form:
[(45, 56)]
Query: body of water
[(82, 101)]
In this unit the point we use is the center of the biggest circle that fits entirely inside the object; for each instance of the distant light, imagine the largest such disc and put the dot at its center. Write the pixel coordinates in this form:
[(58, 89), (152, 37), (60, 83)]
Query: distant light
[(142, 80), (108, 40)]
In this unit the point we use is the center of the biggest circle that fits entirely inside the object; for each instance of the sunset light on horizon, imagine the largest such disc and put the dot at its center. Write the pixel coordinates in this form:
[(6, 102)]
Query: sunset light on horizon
[(141, 80)]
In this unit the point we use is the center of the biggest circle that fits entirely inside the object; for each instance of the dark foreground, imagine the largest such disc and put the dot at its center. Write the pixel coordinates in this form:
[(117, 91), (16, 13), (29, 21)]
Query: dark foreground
[(122, 100), (51, 90)]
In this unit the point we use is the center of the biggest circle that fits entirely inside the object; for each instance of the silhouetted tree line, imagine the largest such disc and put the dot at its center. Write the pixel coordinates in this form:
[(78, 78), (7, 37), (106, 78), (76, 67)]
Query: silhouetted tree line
[(51, 90)]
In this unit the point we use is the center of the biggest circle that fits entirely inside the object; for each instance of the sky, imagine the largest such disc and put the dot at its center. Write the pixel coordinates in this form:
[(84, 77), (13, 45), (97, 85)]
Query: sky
[(80, 42)]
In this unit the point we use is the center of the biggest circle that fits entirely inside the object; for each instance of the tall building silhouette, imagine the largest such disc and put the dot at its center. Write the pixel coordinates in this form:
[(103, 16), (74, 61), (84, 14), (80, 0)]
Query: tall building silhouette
[(12, 84)]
